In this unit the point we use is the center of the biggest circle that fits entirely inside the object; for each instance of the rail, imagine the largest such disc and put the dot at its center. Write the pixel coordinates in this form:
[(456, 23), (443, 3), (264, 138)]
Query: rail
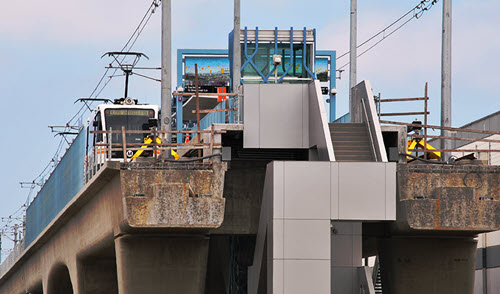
[(419, 136), (425, 137), (370, 133), (425, 113), (369, 116)]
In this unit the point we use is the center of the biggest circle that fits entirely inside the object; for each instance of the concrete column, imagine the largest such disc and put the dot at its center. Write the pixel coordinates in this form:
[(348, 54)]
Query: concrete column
[(235, 71), (97, 276), (354, 104), (446, 77), (346, 257), (166, 66), (161, 264), (428, 265)]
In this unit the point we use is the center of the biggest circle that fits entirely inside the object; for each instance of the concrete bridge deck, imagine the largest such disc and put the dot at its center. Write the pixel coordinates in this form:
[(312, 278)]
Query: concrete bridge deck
[(93, 241)]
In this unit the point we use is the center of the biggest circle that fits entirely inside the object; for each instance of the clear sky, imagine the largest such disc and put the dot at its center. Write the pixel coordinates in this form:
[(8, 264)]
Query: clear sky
[(51, 56)]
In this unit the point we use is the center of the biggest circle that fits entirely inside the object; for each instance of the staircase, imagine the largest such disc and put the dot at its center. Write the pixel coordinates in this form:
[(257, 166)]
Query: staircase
[(351, 142), (378, 283)]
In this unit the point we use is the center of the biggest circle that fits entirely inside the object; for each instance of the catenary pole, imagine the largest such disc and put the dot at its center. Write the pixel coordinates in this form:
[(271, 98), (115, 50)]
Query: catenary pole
[(353, 105), (236, 47), (446, 76), (166, 67)]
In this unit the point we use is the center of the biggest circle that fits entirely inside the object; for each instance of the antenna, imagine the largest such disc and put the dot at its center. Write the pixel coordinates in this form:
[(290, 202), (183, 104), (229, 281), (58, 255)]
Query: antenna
[(125, 67)]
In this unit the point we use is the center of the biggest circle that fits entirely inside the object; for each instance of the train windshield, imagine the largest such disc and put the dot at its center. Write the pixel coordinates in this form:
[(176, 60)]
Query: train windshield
[(131, 119)]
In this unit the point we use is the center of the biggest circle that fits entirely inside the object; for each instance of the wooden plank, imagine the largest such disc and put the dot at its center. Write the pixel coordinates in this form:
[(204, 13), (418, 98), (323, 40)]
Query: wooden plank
[(402, 99), (205, 94), (215, 110), (455, 138), (404, 113), (439, 127), (160, 132)]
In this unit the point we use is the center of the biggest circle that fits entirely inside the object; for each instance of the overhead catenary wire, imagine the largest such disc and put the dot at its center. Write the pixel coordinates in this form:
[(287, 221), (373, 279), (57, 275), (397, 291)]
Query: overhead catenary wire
[(417, 11), (133, 38), (39, 180)]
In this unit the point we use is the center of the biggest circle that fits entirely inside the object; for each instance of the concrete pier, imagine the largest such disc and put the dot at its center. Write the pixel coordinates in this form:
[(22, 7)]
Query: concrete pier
[(161, 264), (415, 265)]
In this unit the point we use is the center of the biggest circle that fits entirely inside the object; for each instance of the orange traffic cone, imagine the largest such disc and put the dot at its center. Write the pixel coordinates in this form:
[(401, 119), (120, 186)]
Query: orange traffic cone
[(187, 138)]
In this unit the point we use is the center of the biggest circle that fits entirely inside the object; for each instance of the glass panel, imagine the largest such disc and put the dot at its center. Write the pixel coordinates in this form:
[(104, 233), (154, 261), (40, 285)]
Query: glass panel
[(264, 62), (132, 119)]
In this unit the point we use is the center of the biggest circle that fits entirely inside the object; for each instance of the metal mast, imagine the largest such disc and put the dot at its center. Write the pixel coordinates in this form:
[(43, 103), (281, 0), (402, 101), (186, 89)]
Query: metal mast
[(166, 66), (353, 105), (236, 48), (446, 76)]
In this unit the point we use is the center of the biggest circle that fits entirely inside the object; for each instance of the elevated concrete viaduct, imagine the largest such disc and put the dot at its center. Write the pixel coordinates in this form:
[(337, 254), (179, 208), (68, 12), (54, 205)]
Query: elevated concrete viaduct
[(291, 211), (125, 220)]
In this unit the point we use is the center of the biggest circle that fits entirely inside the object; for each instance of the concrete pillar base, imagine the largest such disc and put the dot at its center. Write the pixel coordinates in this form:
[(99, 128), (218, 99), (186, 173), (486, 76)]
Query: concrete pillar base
[(98, 276), (161, 264), (427, 265)]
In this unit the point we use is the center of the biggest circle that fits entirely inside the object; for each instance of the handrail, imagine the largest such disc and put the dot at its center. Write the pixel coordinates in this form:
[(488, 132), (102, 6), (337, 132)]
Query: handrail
[(375, 153), (376, 268), (154, 145)]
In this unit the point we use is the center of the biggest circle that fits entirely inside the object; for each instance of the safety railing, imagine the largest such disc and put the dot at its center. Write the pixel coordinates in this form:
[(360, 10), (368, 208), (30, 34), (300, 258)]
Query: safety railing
[(155, 149), (16, 252), (488, 141), (226, 112)]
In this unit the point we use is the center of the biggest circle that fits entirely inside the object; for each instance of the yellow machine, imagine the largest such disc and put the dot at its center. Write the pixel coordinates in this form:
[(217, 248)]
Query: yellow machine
[(418, 145), (147, 141)]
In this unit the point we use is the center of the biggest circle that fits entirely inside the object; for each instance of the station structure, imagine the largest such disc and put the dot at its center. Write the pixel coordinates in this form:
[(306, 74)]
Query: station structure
[(271, 192)]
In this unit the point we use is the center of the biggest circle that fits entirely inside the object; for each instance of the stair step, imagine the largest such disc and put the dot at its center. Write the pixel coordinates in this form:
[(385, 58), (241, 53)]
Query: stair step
[(351, 142), (346, 125), (352, 148)]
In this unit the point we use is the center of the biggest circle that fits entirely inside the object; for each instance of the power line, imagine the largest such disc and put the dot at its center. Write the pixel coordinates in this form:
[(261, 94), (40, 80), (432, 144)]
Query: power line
[(135, 35), (53, 162), (417, 11)]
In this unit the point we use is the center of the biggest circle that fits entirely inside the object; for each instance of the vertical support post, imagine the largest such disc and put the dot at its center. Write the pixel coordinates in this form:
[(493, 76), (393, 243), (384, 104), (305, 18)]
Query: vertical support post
[(24, 223), (236, 48), (110, 142), (124, 144), (446, 76), (197, 106), (379, 104), (333, 97), (166, 66), (155, 144), (178, 107), (425, 121), (127, 74), (16, 227), (353, 105), (212, 138), (485, 262)]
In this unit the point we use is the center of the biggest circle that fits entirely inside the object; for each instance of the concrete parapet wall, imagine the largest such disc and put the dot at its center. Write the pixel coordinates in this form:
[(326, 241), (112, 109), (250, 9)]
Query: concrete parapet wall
[(174, 198), (455, 198)]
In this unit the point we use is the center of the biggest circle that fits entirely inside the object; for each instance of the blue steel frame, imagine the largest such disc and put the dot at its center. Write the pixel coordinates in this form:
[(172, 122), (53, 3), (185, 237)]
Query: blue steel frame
[(304, 51), (266, 80), (291, 57), (180, 59), (319, 53), (249, 59)]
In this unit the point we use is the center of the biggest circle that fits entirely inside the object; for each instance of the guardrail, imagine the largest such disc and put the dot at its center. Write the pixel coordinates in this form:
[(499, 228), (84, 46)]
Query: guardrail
[(207, 143)]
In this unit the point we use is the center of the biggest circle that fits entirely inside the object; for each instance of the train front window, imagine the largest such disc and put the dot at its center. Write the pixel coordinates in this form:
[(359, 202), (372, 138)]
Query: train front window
[(132, 120)]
